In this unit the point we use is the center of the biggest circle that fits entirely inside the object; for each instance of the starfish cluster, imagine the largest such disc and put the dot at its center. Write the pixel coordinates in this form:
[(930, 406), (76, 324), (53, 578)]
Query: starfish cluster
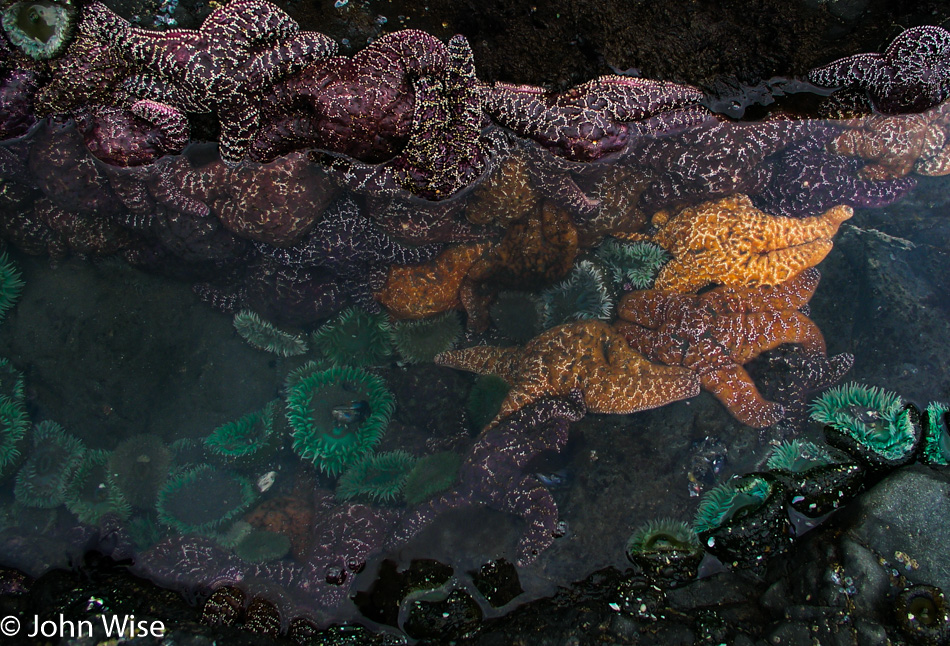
[(397, 181)]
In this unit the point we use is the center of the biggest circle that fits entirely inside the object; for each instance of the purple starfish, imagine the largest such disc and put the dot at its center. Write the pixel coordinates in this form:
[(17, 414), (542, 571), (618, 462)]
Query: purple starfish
[(493, 474), (589, 121), (717, 158), (17, 92), (912, 75), (352, 247), (135, 136), (361, 107), (444, 153), (806, 179), (241, 49)]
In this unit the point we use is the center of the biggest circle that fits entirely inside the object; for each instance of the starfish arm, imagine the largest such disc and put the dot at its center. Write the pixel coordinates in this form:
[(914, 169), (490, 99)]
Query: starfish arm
[(791, 294), (641, 339), (682, 274), (936, 165), (254, 22), (752, 334), (637, 384), (780, 265), (170, 121), (531, 501), (860, 68), (646, 307), (734, 388), (485, 360), (774, 232)]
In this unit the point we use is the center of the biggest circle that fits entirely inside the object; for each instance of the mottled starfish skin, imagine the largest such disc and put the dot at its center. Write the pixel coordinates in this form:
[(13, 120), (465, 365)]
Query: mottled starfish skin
[(361, 107), (349, 245), (912, 74), (135, 136), (806, 179), (589, 121), (444, 153), (588, 356), (715, 333), (420, 222), (418, 291), (86, 233), (716, 159), (17, 92), (537, 249), (493, 474), (898, 145), (275, 203), (730, 242), (239, 51)]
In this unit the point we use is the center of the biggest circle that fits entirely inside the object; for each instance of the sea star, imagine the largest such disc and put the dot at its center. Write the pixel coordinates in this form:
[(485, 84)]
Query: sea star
[(716, 332), (807, 179), (135, 136), (912, 74), (420, 222), (730, 242), (351, 246), (418, 291), (493, 474), (592, 120), (240, 49), (17, 92), (444, 153), (589, 356), (900, 144), (716, 158), (361, 107)]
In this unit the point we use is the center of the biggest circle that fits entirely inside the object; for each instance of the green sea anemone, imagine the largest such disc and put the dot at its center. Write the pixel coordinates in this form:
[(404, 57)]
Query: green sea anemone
[(14, 434), (419, 341), (201, 499), (632, 264), (41, 29), (91, 494), (797, 456), (518, 315), (11, 381), (246, 441), (138, 466), (11, 284), (485, 398), (378, 477), (733, 499), (264, 336), (432, 474), (188, 452), (666, 549), (584, 294), (354, 338), (876, 420), (145, 531), (936, 448), (54, 456), (261, 545), (338, 415)]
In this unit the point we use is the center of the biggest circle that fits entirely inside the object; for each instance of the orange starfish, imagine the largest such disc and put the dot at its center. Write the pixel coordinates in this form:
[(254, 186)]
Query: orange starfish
[(418, 291), (730, 242), (896, 145), (587, 355), (717, 332)]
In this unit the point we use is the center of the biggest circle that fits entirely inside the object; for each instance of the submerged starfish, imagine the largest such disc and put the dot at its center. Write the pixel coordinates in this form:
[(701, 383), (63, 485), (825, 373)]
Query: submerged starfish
[(717, 332), (912, 74), (730, 242), (589, 356)]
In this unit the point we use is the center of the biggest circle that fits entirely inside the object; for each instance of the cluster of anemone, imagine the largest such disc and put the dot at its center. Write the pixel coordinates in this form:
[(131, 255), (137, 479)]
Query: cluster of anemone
[(518, 315), (41, 29), (419, 341), (14, 434), (379, 477), (632, 264), (54, 457), (665, 549), (431, 475), (138, 466), (337, 416), (11, 284), (874, 418), (584, 294), (485, 399), (263, 335), (11, 381), (201, 499), (354, 338), (246, 441), (91, 494)]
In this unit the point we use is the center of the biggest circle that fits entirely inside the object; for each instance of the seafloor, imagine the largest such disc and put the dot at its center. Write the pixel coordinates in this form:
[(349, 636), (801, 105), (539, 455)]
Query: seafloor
[(109, 352)]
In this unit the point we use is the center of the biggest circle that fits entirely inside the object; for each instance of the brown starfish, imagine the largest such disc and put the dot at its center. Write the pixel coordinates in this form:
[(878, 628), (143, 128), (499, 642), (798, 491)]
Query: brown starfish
[(589, 356)]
